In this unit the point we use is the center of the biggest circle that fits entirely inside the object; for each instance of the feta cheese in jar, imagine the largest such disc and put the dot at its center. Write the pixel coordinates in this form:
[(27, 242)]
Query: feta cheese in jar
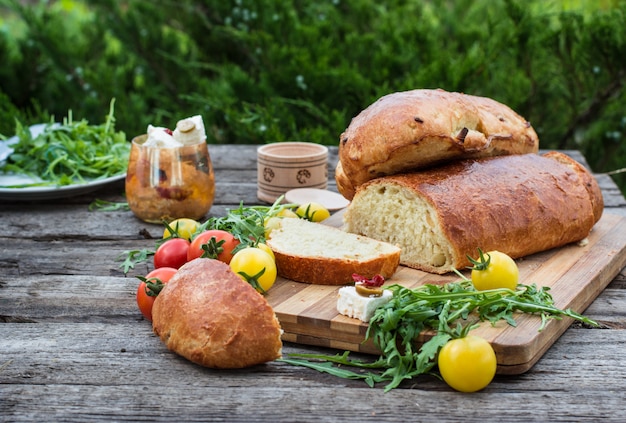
[(170, 177)]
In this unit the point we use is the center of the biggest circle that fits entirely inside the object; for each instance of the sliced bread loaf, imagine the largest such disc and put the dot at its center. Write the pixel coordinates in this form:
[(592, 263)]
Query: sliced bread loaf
[(518, 204), (319, 254)]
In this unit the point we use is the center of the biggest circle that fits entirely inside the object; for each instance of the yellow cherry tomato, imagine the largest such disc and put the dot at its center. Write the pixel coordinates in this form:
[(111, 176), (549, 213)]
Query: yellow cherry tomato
[(312, 211), (184, 227), (256, 267), (467, 364), (267, 249), (287, 213), (494, 270), (271, 223)]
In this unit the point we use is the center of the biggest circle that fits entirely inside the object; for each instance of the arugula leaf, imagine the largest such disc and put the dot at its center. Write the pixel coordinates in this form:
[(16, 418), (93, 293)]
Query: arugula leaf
[(132, 257), (328, 364), (104, 205)]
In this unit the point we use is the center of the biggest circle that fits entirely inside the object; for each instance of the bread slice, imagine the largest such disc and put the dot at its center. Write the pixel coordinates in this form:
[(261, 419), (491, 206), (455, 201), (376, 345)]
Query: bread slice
[(518, 204), (209, 315), (319, 254), (410, 130)]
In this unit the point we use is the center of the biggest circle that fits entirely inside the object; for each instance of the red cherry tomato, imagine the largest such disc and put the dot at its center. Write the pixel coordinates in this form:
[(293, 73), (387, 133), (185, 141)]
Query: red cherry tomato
[(172, 253), (145, 300), (163, 273), (215, 244)]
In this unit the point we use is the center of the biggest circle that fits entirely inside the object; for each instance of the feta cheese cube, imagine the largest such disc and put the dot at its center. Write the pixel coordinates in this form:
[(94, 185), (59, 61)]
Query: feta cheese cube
[(158, 137), (350, 303)]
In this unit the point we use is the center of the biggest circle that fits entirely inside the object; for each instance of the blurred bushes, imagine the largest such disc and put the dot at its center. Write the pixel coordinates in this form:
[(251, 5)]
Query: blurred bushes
[(261, 71)]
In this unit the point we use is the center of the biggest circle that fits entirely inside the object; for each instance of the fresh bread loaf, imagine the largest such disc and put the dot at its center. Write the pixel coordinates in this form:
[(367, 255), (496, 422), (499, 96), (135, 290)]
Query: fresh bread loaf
[(209, 315), (411, 130), (319, 254), (518, 204)]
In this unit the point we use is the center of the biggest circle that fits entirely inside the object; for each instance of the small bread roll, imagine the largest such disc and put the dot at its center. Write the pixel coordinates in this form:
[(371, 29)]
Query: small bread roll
[(210, 316)]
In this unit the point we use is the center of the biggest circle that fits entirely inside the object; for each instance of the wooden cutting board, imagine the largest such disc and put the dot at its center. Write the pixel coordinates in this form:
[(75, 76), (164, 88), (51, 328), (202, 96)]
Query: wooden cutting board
[(575, 274)]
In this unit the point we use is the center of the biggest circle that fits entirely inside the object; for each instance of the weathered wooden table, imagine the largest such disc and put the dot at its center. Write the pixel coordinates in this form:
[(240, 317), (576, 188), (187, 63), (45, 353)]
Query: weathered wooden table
[(73, 346)]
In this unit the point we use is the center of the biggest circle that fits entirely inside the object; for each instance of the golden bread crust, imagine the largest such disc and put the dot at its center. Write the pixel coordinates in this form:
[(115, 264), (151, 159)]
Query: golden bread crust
[(587, 179), (344, 186), (517, 204), (410, 130), (328, 271), (209, 315)]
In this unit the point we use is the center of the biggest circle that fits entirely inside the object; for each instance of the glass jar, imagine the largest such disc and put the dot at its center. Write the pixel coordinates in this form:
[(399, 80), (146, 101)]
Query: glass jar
[(167, 183)]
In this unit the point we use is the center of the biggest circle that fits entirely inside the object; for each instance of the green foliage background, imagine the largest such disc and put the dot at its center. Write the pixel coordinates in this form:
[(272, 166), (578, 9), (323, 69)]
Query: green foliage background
[(262, 71)]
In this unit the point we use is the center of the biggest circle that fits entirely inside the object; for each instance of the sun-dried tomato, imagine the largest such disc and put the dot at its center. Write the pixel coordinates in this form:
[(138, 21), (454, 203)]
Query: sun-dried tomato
[(377, 280)]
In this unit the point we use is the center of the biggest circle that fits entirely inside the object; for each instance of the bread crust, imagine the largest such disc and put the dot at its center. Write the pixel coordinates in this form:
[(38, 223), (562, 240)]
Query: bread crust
[(329, 271), (587, 179), (411, 130), (344, 185), (518, 204), (209, 315)]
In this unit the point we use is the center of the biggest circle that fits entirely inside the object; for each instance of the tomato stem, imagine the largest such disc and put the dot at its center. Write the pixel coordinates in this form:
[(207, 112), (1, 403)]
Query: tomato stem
[(481, 263), (212, 248), (254, 280), (153, 286)]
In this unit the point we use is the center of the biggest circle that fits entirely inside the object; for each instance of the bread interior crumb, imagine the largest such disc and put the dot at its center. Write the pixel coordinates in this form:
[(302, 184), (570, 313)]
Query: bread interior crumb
[(396, 215)]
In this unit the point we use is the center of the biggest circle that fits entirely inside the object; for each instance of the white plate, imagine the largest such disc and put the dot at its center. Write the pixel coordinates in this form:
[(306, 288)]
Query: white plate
[(53, 192), (42, 193), (329, 199)]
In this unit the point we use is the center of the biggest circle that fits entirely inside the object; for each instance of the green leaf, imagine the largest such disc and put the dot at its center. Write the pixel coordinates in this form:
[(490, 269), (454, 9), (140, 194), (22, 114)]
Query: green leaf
[(133, 257), (104, 205), (327, 367)]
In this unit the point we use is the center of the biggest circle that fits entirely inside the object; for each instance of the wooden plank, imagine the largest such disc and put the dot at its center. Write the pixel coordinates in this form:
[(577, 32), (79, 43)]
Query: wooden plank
[(576, 275), (56, 381)]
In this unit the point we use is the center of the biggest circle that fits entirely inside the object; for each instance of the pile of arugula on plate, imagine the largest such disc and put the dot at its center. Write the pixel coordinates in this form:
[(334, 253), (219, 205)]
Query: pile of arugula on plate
[(71, 152)]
